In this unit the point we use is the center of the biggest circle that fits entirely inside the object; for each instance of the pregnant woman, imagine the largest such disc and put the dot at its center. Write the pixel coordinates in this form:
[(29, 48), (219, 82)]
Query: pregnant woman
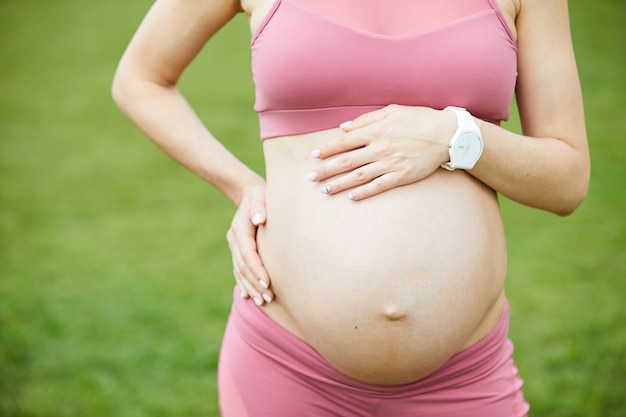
[(371, 259)]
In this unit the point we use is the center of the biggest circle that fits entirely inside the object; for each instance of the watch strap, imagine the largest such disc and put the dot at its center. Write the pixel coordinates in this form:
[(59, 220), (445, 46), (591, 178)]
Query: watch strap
[(465, 123)]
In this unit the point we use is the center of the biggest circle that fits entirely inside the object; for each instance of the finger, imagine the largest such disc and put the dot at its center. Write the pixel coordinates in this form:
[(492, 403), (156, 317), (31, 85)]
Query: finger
[(242, 284), (377, 186), (254, 270), (252, 264), (237, 265), (345, 142), (259, 294), (248, 292), (250, 287), (257, 210), (258, 218), (358, 177), (248, 269), (244, 287), (364, 120), (340, 164), (342, 143)]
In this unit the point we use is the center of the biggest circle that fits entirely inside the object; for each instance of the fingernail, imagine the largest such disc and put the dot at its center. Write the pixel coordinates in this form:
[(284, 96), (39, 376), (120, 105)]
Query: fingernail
[(316, 153), (311, 176), (326, 189), (345, 124), (257, 219), (258, 301), (263, 284), (352, 195), (243, 294), (267, 298)]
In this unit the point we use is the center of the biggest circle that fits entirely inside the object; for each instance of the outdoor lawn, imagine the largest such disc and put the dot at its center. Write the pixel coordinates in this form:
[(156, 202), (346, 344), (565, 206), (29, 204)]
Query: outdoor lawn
[(115, 276)]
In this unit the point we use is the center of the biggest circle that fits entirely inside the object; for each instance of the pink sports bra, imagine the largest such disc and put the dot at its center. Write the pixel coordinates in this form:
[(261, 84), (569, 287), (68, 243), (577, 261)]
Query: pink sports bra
[(318, 63)]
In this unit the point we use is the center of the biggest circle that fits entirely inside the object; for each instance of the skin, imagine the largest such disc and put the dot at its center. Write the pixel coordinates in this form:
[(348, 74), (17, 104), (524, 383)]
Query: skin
[(547, 167)]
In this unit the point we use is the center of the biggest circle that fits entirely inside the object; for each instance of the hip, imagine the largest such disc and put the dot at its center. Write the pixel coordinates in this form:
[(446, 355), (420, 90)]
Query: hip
[(481, 378)]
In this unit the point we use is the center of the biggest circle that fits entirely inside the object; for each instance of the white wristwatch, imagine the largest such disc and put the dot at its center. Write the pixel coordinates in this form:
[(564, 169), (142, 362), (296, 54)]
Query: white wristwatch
[(466, 144)]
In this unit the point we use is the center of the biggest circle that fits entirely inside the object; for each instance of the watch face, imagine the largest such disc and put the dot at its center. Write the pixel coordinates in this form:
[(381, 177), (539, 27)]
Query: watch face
[(467, 149)]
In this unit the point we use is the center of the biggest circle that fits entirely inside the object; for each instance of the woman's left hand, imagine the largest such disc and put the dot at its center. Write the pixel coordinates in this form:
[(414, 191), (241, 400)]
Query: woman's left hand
[(384, 149)]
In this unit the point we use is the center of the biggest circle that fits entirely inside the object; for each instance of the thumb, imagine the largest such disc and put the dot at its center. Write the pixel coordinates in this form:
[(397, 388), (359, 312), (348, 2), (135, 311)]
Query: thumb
[(258, 217), (257, 209)]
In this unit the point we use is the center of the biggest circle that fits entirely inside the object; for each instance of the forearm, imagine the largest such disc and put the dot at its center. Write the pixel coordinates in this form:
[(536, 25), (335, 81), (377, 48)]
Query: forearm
[(545, 173), (548, 167), (163, 114)]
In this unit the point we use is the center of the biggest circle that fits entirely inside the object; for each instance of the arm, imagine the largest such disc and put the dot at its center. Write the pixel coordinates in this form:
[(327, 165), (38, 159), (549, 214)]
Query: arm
[(144, 87), (547, 167)]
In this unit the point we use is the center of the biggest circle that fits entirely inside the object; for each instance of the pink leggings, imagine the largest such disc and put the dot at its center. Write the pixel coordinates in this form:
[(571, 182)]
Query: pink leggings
[(266, 371)]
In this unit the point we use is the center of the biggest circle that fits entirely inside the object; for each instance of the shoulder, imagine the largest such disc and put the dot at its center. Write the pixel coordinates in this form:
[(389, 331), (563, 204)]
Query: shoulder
[(513, 10), (552, 8), (539, 19)]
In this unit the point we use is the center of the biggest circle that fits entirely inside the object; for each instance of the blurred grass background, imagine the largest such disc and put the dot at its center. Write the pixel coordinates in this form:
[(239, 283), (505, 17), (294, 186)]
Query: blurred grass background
[(115, 278)]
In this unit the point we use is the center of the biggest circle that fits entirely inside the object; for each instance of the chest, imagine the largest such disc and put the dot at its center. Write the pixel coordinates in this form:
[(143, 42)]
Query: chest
[(305, 59)]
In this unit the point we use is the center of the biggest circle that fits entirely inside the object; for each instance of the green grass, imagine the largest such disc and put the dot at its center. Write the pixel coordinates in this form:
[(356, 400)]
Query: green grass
[(115, 278)]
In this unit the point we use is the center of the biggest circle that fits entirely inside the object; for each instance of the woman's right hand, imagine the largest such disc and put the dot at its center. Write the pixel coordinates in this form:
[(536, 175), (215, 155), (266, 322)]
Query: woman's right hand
[(250, 274)]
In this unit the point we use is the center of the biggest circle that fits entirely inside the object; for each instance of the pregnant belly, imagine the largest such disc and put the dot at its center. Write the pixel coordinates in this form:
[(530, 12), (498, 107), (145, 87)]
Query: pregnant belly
[(389, 288)]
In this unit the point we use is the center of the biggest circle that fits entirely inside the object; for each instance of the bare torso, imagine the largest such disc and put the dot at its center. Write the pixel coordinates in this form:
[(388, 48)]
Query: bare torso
[(389, 288)]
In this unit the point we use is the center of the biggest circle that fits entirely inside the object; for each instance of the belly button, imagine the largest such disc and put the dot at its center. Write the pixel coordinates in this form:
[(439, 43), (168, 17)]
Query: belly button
[(393, 313)]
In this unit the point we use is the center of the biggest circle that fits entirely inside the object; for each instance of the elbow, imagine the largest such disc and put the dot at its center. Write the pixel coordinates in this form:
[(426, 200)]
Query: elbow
[(131, 89), (125, 87), (568, 207), (575, 192), (574, 183), (116, 91), (119, 89)]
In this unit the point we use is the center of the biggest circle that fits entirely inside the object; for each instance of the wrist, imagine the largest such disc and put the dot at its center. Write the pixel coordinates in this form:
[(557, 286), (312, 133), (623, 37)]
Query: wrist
[(249, 187), (466, 144), (448, 128)]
